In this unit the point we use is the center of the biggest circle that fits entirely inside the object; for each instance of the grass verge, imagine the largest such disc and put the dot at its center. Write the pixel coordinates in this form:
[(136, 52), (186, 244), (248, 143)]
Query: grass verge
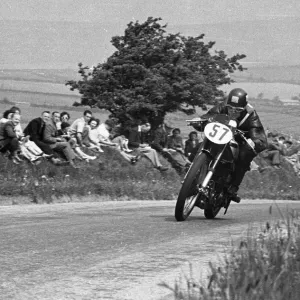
[(112, 177), (265, 265)]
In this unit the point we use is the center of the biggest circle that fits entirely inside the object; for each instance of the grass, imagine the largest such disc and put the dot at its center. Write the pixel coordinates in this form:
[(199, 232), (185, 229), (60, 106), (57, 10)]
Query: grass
[(118, 178), (109, 175), (37, 87), (112, 177), (264, 265)]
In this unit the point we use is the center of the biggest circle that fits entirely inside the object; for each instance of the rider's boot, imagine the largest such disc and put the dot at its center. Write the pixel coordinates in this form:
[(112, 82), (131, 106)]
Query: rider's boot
[(233, 196)]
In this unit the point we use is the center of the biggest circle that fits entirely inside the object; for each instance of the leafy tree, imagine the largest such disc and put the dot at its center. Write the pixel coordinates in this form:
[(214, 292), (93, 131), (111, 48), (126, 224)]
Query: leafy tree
[(153, 73)]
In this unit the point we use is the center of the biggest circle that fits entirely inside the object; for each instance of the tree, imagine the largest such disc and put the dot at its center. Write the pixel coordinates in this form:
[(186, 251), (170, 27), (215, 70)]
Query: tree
[(153, 73)]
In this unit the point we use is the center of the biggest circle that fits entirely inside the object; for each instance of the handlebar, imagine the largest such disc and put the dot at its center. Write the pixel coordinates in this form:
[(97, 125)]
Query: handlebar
[(198, 122), (242, 135)]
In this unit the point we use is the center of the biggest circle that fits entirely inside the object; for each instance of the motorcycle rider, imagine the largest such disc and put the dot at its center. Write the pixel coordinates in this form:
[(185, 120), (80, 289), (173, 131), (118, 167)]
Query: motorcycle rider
[(237, 108)]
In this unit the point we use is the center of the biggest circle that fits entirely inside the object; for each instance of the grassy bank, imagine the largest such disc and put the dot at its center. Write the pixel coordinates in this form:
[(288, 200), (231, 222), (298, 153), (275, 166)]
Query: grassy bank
[(109, 175), (112, 177), (265, 265)]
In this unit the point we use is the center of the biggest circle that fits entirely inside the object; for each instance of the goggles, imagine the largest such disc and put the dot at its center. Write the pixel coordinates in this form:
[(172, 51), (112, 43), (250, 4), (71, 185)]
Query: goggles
[(235, 109)]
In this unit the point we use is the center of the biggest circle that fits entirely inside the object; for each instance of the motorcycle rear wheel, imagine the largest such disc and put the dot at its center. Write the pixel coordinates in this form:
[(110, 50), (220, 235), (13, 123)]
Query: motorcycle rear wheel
[(189, 190)]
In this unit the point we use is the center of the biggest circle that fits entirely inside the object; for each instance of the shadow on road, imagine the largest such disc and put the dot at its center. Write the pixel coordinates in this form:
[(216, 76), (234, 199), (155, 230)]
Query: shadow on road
[(193, 219)]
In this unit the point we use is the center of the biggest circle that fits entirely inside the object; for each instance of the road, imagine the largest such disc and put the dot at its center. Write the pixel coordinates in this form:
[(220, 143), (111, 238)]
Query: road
[(113, 250)]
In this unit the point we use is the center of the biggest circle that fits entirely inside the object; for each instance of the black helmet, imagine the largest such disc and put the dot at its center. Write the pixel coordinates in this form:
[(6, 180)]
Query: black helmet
[(237, 98)]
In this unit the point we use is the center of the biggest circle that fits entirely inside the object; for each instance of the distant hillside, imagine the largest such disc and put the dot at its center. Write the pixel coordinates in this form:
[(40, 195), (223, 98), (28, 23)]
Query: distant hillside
[(59, 45), (264, 73)]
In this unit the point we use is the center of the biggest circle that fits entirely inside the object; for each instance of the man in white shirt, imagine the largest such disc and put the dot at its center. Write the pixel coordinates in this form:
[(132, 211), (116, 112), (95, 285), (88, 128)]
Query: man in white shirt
[(79, 127)]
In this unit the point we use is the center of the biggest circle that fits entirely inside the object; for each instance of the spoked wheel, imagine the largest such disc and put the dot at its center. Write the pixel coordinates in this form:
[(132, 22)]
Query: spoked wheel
[(189, 191)]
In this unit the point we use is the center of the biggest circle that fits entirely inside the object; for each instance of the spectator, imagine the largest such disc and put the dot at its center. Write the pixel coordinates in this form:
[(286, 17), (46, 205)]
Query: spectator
[(9, 140), (191, 145), (136, 140), (175, 148), (6, 116), (159, 141), (64, 117), (80, 130), (57, 143), (65, 133), (28, 149), (292, 155), (273, 151), (104, 135), (35, 130), (101, 137)]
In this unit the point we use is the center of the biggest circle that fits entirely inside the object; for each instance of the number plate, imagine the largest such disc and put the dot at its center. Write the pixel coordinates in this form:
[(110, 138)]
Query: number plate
[(218, 133)]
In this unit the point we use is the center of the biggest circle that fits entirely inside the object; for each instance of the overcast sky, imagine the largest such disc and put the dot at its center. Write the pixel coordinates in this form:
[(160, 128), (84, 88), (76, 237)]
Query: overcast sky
[(172, 11)]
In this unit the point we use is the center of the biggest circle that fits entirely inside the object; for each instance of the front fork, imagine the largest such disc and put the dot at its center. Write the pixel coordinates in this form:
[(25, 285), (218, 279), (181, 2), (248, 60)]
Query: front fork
[(211, 170)]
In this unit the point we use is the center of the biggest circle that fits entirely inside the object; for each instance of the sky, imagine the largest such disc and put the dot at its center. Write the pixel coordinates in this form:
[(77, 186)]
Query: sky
[(172, 11)]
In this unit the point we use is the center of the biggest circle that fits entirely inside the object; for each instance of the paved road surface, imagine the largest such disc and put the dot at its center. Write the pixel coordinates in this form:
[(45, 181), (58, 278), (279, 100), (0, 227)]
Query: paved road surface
[(111, 250)]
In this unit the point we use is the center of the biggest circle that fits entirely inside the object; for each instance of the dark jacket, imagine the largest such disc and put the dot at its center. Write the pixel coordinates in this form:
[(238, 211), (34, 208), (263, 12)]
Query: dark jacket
[(135, 137), (175, 142), (190, 147), (50, 133), (7, 131), (252, 127), (159, 139), (35, 129)]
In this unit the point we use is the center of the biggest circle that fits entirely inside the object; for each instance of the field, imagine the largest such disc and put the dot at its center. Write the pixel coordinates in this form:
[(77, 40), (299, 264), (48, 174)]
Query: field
[(37, 87), (40, 75), (269, 90), (283, 119)]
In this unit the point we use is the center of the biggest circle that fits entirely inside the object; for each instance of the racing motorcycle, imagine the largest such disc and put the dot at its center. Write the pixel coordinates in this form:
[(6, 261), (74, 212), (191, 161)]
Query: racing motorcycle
[(206, 183)]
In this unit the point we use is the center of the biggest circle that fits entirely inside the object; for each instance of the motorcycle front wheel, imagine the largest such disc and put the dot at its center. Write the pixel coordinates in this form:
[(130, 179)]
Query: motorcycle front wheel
[(189, 190)]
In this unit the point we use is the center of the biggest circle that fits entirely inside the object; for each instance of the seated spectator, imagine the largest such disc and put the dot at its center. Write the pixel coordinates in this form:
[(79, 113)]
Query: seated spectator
[(191, 145), (273, 151), (80, 130), (136, 140), (57, 143), (101, 137), (9, 140), (64, 117), (94, 137), (175, 149), (6, 116), (65, 133), (292, 155), (35, 131)]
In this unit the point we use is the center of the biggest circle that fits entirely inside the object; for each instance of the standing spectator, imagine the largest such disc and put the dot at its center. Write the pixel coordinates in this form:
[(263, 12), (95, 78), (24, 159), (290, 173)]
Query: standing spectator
[(191, 145), (57, 143), (79, 128), (9, 140), (35, 130), (136, 140)]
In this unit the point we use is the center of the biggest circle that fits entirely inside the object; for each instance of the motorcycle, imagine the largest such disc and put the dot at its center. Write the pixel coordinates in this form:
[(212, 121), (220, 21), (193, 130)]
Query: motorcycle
[(206, 183)]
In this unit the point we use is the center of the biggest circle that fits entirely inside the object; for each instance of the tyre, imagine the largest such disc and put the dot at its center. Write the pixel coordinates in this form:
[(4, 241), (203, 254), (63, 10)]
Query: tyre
[(189, 190), (211, 211)]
